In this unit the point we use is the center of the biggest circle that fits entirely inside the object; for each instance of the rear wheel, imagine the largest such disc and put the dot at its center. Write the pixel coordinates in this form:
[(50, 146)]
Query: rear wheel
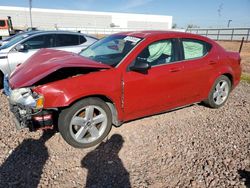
[(219, 92), (86, 123)]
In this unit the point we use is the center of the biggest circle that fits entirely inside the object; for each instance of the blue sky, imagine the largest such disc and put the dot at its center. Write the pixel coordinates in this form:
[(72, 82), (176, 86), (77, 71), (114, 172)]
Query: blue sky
[(209, 13)]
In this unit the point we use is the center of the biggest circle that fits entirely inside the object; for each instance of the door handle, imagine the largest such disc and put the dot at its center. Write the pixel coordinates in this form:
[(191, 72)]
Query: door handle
[(212, 62), (175, 70)]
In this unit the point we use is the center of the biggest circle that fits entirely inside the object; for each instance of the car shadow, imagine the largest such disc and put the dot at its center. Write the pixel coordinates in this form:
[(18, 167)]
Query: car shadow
[(246, 176), (105, 168), (24, 166)]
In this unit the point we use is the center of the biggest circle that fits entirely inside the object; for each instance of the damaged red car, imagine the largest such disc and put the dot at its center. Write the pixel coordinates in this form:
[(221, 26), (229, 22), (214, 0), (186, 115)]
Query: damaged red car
[(122, 77)]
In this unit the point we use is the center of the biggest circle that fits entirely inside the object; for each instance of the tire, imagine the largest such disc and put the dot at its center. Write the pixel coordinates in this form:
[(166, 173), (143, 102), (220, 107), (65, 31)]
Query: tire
[(1, 80), (219, 93), (85, 123)]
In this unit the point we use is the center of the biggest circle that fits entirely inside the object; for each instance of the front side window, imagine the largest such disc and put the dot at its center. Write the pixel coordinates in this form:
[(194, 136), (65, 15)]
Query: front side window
[(195, 48), (111, 50), (41, 41), (157, 53), (14, 40)]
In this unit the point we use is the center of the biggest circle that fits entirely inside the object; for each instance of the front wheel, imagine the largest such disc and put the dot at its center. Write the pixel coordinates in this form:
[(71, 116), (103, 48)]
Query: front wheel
[(219, 92), (1, 80), (86, 123)]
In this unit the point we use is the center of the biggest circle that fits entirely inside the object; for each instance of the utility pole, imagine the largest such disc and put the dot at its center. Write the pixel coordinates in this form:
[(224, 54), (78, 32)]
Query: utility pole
[(228, 23), (30, 6)]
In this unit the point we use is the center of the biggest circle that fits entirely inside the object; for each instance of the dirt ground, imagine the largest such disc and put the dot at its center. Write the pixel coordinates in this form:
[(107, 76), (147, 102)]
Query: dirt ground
[(191, 147), (245, 53)]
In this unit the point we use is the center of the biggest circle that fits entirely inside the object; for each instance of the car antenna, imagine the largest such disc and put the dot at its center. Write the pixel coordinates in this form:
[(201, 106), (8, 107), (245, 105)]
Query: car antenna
[(241, 44)]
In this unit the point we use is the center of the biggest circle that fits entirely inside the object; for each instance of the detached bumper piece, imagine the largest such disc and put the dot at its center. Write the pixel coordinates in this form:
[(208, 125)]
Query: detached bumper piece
[(43, 120), (28, 118)]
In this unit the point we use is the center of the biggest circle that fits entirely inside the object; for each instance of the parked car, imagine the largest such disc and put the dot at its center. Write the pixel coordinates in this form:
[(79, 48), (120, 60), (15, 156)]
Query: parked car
[(120, 78), (6, 40), (24, 45)]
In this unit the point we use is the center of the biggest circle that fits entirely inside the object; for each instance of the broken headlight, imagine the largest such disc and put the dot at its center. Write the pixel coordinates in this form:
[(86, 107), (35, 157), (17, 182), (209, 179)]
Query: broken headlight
[(25, 96)]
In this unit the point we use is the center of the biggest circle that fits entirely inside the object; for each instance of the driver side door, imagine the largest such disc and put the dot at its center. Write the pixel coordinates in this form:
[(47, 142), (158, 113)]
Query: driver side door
[(160, 87)]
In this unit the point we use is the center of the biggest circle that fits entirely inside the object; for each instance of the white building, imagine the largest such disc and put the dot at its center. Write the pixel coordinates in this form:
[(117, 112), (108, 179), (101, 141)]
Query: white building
[(90, 21)]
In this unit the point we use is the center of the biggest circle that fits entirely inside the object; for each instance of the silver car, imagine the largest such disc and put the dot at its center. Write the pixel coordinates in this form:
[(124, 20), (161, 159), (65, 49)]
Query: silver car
[(23, 46), (4, 41)]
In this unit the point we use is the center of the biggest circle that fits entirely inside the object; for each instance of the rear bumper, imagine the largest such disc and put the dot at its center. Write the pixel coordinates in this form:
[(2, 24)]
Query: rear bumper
[(237, 77)]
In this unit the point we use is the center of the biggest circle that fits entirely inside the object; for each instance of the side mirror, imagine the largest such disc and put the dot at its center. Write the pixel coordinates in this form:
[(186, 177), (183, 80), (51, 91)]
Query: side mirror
[(21, 48), (140, 65)]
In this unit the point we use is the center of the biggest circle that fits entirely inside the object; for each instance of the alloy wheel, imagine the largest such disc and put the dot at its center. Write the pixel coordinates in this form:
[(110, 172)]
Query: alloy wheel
[(88, 124), (221, 92)]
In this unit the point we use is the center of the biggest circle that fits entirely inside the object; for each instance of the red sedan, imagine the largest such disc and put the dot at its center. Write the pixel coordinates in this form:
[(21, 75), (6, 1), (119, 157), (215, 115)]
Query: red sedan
[(119, 78)]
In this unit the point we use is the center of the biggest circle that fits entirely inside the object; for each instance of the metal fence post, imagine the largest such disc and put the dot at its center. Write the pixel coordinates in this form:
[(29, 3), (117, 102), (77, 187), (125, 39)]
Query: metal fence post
[(218, 34), (248, 35), (232, 34)]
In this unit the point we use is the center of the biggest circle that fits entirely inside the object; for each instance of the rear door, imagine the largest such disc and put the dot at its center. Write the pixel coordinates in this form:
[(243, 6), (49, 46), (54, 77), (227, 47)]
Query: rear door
[(198, 61), (158, 89)]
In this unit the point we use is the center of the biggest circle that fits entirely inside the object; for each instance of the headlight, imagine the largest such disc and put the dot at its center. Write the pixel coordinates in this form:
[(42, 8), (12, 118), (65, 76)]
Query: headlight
[(26, 97), (39, 102)]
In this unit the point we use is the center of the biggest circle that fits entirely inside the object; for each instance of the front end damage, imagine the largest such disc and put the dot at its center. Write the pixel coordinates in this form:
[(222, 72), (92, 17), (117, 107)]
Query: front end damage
[(45, 67), (28, 112)]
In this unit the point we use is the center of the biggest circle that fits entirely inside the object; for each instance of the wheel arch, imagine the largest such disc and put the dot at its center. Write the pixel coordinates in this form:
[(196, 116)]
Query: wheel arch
[(109, 102), (226, 72), (230, 76)]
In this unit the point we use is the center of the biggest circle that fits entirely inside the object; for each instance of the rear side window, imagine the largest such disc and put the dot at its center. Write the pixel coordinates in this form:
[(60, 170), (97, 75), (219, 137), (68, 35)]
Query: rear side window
[(194, 49), (82, 39), (41, 41), (69, 40)]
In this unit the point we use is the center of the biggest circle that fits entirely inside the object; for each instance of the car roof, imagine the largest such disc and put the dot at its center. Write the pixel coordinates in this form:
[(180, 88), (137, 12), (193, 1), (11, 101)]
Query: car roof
[(157, 33), (40, 32)]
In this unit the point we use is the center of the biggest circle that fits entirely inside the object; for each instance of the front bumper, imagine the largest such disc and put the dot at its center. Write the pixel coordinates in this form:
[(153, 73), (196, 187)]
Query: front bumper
[(21, 116), (6, 87), (25, 117), (26, 113)]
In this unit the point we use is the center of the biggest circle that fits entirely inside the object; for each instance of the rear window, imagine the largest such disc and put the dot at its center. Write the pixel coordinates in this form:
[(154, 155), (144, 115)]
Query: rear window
[(195, 48), (2, 23)]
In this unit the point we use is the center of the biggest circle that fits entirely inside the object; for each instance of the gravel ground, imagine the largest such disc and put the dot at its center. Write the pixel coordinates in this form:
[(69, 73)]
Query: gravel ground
[(191, 147)]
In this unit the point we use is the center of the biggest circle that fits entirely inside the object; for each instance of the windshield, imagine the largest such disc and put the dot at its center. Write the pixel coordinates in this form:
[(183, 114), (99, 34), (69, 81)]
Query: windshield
[(14, 40), (111, 50)]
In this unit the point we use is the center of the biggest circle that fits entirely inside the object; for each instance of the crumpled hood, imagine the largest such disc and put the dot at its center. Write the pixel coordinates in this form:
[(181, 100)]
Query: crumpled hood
[(45, 62)]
